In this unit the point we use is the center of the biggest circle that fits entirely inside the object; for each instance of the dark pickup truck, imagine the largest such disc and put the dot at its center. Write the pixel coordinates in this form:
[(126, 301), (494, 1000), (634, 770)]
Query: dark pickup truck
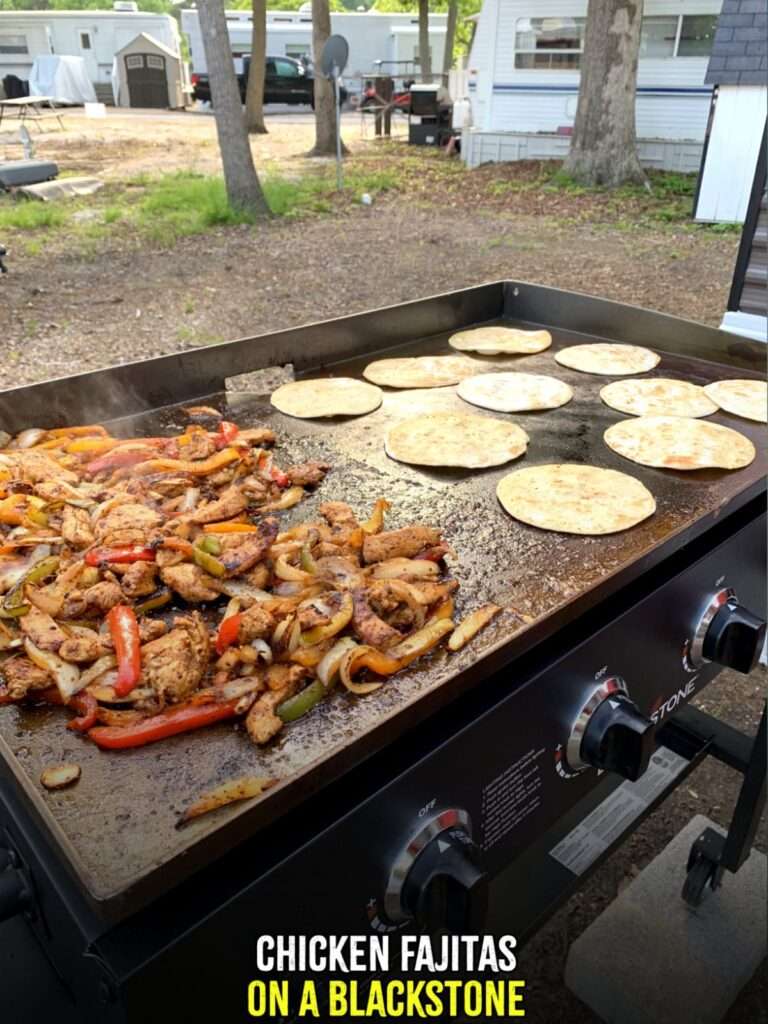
[(286, 81)]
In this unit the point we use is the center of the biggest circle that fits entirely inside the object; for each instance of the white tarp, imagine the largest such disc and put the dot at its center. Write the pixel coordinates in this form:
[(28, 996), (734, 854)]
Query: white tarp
[(63, 79)]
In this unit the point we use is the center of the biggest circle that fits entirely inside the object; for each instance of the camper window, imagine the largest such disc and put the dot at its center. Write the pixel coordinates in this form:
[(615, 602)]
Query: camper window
[(696, 35), (549, 43), (13, 44), (85, 40), (658, 37)]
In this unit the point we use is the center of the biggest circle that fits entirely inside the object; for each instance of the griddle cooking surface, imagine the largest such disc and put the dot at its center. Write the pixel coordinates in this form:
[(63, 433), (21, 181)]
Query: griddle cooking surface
[(116, 825)]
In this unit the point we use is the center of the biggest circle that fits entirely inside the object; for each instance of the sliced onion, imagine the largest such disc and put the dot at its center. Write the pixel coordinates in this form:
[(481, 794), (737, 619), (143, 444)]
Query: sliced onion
[(263, 649), (285, 571), (288, 499), (344, 671), (28, 438), (99, 667), (67, 677), (242, 590), (288, 588), (422, 641), (239, 687), (328, 667), (191, 496)]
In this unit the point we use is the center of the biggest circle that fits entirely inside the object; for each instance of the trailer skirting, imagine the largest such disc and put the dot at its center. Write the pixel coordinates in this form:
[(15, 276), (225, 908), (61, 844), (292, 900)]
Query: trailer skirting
[(480, 147)]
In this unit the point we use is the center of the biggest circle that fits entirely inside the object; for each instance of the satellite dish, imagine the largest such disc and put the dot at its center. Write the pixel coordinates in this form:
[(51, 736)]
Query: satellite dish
[(335, 56)]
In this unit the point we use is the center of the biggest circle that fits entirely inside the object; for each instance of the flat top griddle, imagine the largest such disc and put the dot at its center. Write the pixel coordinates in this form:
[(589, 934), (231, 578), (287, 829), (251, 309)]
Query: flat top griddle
[(116, 827)]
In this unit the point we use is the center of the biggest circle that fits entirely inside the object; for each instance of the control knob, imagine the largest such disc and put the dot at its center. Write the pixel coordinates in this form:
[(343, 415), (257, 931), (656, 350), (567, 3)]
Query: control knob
[(437, 881), (611, 734), (727, 634)]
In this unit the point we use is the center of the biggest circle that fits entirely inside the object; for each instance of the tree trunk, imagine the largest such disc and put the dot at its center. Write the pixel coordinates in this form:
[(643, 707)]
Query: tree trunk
[(604, 147), (254, 97), (450, 37), (242, 182), (325, 94), (425, 57)]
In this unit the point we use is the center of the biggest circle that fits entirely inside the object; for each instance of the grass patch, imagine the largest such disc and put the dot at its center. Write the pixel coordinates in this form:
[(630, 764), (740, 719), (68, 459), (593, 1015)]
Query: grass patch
[(29, 215)]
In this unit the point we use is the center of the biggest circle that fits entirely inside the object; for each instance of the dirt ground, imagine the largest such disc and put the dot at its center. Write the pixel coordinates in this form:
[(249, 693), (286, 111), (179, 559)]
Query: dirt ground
[(64, 311)]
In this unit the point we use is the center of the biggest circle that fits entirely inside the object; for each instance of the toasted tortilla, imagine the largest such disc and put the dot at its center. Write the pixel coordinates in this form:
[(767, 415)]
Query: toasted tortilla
[(678, 442), (747, 398), (494, 341), (455, 439), (514, 392), (420, 371), (332, 396), (658, 396), (608, 360), (570, 498)]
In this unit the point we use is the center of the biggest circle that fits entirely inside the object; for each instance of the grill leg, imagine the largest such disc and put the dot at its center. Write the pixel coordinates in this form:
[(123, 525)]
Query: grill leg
[(712, 854)]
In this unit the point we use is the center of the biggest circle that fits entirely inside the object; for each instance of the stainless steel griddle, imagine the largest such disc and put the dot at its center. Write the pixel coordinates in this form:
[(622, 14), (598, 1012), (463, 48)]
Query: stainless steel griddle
[(116, 830)]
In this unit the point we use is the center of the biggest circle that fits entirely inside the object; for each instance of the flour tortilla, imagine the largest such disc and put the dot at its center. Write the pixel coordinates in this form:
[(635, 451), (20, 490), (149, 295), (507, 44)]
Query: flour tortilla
[(608, 360), (570, 498), (455, 439), (514, 392), (747, 398), (658, 396), (420, 372), (332, 396), (677, 442), (493, 341)]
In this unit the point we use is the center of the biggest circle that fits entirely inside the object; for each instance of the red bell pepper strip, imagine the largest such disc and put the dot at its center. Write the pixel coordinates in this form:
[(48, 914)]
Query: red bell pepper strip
[(135, 553), (183, 718), (226, 434), (117, 459), (227, 633), (86, 705), (124, 628), (271, 472)]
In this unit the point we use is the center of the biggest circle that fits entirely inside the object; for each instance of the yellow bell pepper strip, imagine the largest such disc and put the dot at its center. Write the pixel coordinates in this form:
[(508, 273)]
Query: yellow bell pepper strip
[(36, 516), (11, 509), (15, 604), (376, 522), (178, 544), (231, 526), (364, 656), (339, 621), (201, 468), (153, 602), (91, 445), (124, 630), (134, 553), (207, 562), (84, 431), (182, 718), (301, 702)]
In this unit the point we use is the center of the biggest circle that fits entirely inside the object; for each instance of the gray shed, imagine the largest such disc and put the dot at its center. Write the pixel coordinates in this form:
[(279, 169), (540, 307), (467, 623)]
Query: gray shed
[(149, 74)]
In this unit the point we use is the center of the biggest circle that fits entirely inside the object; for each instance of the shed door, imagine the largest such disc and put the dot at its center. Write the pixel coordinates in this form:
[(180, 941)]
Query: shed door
[(147, 82)]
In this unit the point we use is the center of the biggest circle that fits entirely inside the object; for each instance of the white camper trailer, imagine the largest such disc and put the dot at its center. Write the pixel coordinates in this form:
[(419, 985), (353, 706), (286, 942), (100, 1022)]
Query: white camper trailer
[(524, 80), (373, 37), (96, 36)]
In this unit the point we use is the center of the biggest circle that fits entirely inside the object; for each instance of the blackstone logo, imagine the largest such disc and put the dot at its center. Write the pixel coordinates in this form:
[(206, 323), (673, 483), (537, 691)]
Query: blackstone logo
[(664, 707)]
